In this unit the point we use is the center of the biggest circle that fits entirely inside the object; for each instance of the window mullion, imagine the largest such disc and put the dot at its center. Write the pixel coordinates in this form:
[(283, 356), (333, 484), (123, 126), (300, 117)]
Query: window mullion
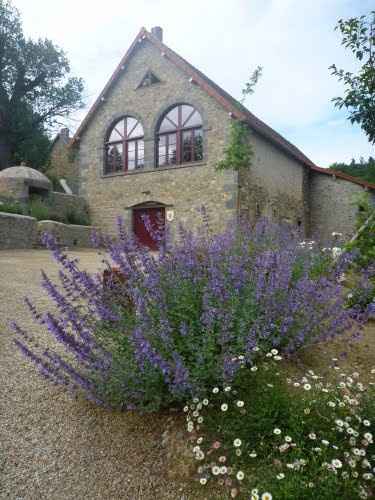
[(125, 146)]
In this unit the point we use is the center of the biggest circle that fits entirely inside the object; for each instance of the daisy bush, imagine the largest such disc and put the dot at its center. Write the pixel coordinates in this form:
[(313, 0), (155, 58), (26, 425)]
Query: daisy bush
[(155, 330), (272, 434)]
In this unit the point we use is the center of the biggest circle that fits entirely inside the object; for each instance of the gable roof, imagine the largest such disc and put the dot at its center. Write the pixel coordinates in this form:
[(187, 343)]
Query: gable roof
[(227, 101), (234, 108)]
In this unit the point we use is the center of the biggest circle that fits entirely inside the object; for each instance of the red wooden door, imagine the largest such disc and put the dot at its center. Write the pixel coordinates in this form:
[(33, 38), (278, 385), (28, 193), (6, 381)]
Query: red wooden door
[(156, 218)]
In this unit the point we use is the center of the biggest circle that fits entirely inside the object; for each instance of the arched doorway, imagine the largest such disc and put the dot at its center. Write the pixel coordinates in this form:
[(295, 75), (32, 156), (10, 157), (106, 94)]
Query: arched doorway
[(148, 223)]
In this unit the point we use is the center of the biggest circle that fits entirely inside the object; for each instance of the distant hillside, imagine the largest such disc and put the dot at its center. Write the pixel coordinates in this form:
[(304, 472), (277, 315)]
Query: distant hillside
[(363, 169)]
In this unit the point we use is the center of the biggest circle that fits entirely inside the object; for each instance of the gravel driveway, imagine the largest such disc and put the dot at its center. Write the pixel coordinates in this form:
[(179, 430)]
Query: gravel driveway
[(53, 447)]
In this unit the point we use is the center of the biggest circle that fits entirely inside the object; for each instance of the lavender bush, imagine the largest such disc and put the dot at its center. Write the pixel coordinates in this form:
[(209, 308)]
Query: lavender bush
[(164, 328)]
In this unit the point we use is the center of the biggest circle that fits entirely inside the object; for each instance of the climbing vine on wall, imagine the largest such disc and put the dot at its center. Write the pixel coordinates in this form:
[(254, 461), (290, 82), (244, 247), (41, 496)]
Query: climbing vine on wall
[(239, 152)]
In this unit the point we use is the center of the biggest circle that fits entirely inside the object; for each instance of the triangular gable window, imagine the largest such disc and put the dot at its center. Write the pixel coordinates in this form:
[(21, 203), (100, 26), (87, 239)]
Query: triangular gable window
[(148, 79)]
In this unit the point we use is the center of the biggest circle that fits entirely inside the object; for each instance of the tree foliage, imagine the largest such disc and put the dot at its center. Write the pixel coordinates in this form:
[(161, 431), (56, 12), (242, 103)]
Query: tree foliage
[(249, 88), (35, 87), (362, 169), (358, 35)]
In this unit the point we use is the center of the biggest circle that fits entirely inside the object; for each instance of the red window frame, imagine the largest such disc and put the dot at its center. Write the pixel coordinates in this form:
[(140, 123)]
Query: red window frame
[(125, 142), (179, 131)]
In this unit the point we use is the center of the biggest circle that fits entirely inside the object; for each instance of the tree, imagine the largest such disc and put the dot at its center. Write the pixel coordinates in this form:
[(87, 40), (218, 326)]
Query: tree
[(358, 35), (35, 89), (363, 169)]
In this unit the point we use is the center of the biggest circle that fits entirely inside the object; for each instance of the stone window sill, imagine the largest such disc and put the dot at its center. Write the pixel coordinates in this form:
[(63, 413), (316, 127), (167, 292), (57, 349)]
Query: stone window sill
[(153, 170)]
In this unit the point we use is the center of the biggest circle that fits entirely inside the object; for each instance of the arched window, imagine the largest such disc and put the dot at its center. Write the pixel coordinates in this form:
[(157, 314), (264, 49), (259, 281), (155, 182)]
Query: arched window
[(124, 149), (180, 138)]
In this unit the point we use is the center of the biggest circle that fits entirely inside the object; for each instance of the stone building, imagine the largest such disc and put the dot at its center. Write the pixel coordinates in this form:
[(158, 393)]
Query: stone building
[(61, 164), (151, 142)]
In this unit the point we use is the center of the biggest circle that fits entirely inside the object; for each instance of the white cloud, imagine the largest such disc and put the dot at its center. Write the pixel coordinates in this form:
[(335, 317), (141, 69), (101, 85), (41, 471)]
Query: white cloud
[(294, 40)]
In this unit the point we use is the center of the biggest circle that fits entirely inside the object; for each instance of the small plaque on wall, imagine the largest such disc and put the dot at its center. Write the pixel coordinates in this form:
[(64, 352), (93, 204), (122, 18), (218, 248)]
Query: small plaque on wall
[(170, 215)]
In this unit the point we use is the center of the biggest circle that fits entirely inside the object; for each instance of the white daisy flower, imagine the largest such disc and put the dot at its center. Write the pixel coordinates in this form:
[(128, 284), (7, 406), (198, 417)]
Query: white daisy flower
[(307, 387), (280, 476), (215, 390), (240, 404), (203, 480), (240, 475), (215, 470), (205, 402), (368, 437), (266, 496), (224, 407), (277, 431), (237, 442)]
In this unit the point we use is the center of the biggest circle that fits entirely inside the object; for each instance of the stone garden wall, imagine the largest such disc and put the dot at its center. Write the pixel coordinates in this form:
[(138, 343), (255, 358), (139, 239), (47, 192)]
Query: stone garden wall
[(60, 203), (17, 231), (67, 234), (20, 231)]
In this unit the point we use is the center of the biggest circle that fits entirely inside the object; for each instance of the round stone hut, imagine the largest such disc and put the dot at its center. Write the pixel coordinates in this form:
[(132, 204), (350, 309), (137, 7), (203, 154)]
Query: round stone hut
[(20, 182)]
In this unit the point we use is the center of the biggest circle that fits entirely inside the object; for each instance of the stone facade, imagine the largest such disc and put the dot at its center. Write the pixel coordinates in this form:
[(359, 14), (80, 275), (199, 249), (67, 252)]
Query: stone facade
[(274, 186), (184, 188), (281, 182), (62, 165), (62, 203), (333, 205)]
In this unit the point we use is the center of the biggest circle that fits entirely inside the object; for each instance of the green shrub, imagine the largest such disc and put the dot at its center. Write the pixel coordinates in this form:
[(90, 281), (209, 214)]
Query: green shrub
[(292, 437), (39, 209), (12, 207), (364, 244), (76, 216)]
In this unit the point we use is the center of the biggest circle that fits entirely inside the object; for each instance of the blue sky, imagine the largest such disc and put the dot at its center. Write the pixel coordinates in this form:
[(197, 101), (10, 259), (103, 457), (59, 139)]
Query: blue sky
[(294, 41)]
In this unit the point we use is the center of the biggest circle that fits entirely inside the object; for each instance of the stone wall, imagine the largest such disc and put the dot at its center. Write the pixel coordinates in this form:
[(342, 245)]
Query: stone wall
[(185, 188), (61, 203), (17, 231), (273, 186), (13, 188), (62, 165), (67, 234), (20, 231), (333, 205)]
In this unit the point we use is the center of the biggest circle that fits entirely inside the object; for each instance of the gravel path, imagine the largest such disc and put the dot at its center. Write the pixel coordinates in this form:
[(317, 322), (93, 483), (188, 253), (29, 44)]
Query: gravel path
[(52, 447)]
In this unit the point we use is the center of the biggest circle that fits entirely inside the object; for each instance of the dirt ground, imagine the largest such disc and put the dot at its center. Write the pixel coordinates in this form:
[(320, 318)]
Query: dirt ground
[(53, 447)]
